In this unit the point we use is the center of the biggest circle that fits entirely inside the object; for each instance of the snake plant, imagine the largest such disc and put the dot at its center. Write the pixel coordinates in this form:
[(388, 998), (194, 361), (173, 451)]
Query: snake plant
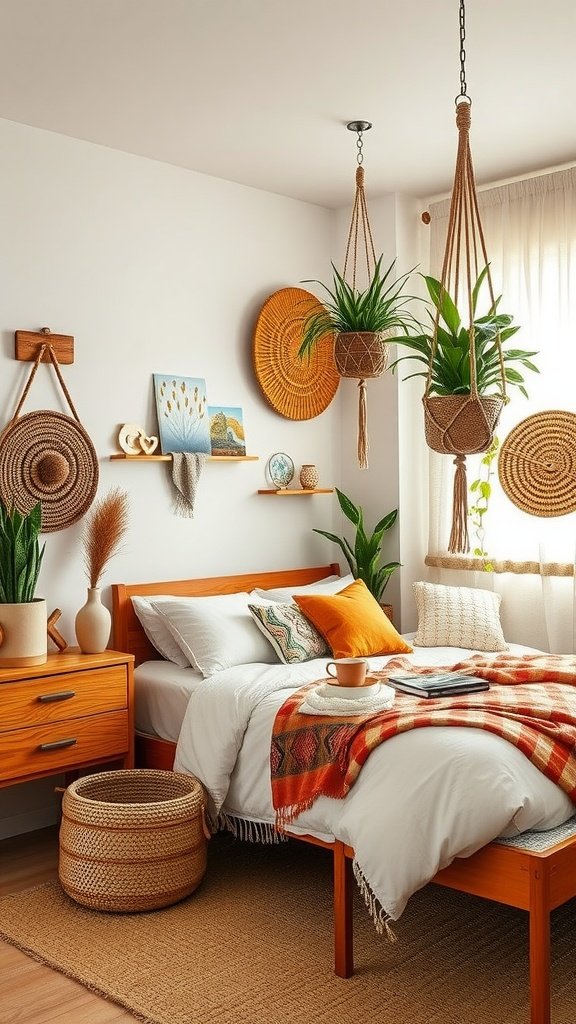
[(364, 557), (20, 554)]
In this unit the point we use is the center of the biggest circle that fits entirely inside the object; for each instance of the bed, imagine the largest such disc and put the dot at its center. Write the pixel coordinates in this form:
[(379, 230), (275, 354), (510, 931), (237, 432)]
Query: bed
[(531, 872)]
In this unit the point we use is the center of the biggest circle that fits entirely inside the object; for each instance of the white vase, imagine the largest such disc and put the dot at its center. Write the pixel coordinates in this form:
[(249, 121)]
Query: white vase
[(93, 623), (23, 637)]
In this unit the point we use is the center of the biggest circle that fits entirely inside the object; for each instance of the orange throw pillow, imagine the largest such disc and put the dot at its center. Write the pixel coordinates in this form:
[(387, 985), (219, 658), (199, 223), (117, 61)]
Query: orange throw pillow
[(352, 622)]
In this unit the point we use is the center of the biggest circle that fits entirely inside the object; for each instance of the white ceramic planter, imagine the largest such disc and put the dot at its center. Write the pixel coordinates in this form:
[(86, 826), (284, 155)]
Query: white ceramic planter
[(23, 636)]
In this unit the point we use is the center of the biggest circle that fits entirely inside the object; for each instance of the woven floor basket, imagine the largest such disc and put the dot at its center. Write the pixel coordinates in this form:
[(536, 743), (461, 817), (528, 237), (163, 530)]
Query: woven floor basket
[(459, 424), (361, 354), (132, 840)]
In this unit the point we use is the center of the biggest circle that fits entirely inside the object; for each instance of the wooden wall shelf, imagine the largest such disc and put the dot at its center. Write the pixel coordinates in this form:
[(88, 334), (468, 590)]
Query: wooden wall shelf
[(168, 458), (288, 492)]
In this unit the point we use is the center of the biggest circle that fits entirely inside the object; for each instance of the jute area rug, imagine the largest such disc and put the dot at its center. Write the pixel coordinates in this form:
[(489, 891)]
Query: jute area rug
[(253, 945)]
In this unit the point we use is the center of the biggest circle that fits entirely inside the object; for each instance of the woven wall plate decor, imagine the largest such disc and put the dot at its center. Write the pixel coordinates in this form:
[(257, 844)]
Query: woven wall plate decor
[(537, 464), (298, 389), (48, 457)]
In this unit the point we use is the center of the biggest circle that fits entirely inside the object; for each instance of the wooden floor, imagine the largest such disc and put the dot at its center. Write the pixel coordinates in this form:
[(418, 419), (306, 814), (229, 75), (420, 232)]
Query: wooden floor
[(31, 993)]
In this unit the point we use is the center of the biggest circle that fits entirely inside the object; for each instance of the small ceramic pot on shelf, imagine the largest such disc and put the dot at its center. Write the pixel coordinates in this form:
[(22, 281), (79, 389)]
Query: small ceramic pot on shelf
[(309, 477)]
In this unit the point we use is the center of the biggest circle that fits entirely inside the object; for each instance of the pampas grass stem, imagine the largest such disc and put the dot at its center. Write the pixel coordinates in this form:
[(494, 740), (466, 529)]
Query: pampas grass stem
[(105, 527)]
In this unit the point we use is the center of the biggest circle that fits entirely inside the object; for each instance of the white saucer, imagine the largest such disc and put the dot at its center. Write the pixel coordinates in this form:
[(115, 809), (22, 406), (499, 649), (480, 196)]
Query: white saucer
[(349, 692)]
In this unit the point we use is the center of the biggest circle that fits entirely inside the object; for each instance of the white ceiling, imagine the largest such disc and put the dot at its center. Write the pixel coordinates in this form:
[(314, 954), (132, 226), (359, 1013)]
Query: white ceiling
[(259, 91)]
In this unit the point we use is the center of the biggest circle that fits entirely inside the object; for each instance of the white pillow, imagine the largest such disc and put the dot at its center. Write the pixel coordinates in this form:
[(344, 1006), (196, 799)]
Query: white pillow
[(216, 632), (157, 631), (329, 585), (458, 617)]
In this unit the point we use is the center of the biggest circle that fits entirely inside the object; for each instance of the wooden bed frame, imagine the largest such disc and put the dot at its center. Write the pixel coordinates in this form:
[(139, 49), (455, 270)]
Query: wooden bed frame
[(537, 882)]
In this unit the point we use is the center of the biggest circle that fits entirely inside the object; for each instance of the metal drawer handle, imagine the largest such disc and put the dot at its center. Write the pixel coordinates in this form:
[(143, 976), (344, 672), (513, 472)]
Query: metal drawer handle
[(49, 698), (57, 744)]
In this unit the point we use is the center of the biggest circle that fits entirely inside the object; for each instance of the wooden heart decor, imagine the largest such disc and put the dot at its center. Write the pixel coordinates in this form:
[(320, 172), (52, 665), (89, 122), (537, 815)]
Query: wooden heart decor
[(134, 441), (148, 444)]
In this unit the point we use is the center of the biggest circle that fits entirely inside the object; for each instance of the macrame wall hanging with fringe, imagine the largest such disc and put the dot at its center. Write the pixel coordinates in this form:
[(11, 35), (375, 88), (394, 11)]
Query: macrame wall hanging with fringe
[(360, 354), (463, 424)]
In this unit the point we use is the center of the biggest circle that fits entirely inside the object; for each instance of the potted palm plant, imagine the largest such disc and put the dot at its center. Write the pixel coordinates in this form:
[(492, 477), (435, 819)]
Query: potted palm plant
[(361, 322), (23, 639), (364, 557), (445, 352)]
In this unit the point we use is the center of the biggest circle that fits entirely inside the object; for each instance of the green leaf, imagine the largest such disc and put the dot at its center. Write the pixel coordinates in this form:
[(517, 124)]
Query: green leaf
[(363, 559), (350, 510)]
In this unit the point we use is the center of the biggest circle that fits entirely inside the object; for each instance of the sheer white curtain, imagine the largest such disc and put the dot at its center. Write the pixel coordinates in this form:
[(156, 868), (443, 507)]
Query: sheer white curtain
[(530, 229)]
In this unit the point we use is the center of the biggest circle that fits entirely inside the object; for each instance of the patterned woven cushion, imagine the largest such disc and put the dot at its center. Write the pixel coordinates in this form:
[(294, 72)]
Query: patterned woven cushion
[(458, 617), (293, 638)]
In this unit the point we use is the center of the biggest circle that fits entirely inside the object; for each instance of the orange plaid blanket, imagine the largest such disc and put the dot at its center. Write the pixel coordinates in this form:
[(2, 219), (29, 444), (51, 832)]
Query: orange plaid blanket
[(531, 703)]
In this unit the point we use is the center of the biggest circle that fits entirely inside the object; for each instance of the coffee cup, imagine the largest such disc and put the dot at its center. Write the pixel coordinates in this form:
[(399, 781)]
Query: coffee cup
[(348, 671)]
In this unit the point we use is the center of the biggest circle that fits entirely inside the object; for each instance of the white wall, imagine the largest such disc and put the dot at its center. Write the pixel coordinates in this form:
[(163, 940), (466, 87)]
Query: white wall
[(155, 268)]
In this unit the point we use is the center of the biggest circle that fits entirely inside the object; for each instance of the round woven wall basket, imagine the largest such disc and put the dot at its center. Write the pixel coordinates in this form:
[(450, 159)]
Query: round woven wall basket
[(132, 840), (299, 389), (361, 354), (460, 424), (537, 464), (48, 457)]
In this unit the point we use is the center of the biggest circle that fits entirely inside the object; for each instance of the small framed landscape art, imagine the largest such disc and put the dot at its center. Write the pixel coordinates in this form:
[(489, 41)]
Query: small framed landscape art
[(183, 420), (227, 430)]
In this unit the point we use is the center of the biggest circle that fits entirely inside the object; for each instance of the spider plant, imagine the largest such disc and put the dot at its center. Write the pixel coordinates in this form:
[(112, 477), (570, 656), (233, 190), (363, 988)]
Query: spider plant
[(451, 362), (382, 306), (364, 557)]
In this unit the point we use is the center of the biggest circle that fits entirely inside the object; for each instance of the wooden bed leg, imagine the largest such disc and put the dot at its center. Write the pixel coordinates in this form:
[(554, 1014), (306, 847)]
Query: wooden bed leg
[(539, 943), (343, 934)]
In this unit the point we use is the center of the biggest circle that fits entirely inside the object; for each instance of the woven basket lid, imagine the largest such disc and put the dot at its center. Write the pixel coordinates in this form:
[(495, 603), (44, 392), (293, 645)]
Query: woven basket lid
[(537, 464), (48, 457), (296, 388)]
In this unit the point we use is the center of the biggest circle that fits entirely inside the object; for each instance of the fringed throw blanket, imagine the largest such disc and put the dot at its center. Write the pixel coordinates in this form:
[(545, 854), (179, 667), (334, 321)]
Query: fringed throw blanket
[(531, 703), (186, 470)]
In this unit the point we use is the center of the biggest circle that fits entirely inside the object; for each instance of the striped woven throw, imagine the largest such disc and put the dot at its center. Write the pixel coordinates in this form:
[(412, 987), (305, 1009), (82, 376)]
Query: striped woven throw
[(531, 703)]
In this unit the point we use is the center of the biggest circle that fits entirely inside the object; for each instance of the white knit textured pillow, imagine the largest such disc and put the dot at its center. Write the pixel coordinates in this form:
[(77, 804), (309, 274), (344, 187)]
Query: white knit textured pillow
[(458, 617)]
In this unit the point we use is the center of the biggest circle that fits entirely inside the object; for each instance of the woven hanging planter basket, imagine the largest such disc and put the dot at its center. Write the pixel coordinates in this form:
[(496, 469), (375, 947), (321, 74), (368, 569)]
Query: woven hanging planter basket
[(361, 354), (132, 840), (461, 424)]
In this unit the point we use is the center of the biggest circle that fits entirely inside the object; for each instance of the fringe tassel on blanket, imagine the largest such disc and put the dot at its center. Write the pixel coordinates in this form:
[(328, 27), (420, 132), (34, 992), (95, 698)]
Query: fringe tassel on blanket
[(186, 470), (250, 831), (379, 916)]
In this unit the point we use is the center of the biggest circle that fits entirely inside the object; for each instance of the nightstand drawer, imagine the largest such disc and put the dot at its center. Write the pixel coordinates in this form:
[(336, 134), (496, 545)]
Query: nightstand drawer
[(54, 747), (57, 698)]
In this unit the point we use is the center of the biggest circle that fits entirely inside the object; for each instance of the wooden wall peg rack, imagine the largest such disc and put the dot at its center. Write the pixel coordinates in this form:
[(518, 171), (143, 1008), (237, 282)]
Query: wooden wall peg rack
[(26, 345)]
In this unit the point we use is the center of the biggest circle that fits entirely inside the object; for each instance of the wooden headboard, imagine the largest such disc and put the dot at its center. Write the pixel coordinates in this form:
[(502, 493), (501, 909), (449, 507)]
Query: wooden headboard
[(128, 635)]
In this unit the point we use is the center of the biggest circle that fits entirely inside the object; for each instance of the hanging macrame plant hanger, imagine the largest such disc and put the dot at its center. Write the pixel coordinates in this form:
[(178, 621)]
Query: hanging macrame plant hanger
[(458, 424), (360, 354)]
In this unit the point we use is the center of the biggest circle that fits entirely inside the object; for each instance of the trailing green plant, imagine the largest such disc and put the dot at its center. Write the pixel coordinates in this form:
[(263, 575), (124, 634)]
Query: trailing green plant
[(451, 362), (364, 557), (20, 554), (482, 491), (382, 306)]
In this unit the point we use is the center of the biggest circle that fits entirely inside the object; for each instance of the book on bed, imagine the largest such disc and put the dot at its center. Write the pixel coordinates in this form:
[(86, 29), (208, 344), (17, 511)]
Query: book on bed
[(438, 684)]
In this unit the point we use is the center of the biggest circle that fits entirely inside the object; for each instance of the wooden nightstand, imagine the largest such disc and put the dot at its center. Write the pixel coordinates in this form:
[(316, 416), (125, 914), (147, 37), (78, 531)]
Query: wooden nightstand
[(75, 711)]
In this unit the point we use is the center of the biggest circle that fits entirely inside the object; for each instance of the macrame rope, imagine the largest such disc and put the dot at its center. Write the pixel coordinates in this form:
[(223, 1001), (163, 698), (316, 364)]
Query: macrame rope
[(465, 235), (359, 220), (44, 347), (362, 426), (459, 534)]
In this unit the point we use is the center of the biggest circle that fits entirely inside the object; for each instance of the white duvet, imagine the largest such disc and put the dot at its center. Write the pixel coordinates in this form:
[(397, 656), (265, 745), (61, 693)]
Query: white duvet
[(422, 798)]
